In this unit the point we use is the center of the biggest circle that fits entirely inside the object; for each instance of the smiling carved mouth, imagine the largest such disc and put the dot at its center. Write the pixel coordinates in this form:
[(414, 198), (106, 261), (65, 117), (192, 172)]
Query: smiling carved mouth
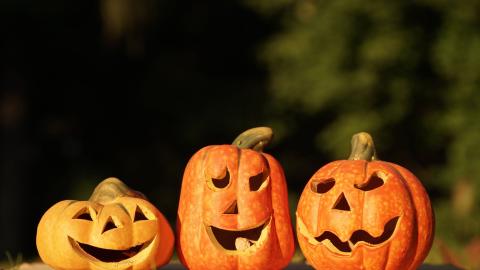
[(108, 255), (236, 240)]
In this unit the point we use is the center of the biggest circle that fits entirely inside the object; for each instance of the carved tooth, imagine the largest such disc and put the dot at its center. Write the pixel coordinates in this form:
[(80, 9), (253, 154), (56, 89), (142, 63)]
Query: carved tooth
[(351, 244), (243, 243)]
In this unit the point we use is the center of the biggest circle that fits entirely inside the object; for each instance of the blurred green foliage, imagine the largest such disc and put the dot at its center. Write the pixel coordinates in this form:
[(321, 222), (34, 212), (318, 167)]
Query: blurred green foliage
[(408, 72)]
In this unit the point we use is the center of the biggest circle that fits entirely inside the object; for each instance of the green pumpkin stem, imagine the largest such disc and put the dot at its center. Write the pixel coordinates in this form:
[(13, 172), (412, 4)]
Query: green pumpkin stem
[(254, 138), (363, 147), (112, 188)]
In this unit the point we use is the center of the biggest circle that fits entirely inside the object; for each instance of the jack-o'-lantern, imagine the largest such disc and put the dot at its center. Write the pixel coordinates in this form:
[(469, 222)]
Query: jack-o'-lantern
[(117, 228), (363, 213), (233, 210)]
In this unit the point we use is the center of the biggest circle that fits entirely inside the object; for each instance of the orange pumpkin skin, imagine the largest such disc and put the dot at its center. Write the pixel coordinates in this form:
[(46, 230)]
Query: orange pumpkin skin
[(389, 225), (74, 235), (203, 205)]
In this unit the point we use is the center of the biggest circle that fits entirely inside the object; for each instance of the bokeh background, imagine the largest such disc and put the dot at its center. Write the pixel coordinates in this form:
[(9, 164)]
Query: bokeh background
[(132, 88)]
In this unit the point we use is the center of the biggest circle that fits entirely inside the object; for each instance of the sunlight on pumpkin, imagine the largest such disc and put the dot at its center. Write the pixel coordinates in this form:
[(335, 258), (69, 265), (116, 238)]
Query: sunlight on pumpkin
[(117, 225)]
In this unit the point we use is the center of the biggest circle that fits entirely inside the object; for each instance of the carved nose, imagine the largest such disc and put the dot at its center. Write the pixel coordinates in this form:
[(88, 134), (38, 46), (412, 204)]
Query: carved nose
[(109, 225), (342, 203), (232, 209)]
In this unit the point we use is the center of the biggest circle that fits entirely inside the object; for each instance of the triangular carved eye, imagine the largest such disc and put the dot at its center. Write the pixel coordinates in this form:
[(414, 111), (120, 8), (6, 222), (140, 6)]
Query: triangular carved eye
[(322, 186), (373, 182), (84, 214), (139, 215)]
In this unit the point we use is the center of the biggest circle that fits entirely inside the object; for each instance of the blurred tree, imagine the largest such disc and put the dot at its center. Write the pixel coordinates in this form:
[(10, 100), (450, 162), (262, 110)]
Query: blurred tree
[(127, 20), (408, 72)]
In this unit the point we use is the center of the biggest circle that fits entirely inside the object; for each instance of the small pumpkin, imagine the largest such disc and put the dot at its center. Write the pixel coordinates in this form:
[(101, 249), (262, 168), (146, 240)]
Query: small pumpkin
[(363, 213), (233, 210), (117, 228)]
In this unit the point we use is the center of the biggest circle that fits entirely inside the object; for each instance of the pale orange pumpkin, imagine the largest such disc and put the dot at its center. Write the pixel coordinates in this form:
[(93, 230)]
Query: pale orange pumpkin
[(117, 228), (233, 210), (363, 213)]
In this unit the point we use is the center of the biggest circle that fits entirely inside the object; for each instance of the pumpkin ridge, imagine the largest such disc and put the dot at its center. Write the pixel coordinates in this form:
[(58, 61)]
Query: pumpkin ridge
[(203, 173), (411, 202), (319, 208), (385, 262), (407, 187), (237, 192), (365, 170), (414, 207), (239, 157)]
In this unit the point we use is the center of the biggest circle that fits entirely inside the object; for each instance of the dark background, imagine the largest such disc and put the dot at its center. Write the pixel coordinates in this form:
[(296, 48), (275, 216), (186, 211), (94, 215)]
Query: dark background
[(132, 89)]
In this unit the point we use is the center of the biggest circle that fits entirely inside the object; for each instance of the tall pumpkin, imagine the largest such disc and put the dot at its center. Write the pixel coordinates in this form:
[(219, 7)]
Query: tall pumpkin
[(117, 228), (363, 213), (233, 210)]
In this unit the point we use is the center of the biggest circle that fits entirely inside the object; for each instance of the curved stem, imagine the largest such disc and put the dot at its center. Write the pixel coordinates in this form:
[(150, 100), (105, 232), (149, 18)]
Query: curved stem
[(363, 147), (254, 138), (112, 188)]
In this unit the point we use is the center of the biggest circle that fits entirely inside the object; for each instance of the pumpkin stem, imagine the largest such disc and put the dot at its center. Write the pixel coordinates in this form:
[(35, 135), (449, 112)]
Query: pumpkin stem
[(112, 188), (254, 138), (363, 147)]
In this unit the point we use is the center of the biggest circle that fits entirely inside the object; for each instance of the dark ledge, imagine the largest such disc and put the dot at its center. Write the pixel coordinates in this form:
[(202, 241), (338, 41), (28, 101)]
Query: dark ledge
[(298, 266), (293, 266)]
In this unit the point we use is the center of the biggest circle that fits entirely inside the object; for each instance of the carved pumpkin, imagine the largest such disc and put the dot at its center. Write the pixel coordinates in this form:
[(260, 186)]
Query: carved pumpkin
[(117, 228), (233, 210), (363, 213)]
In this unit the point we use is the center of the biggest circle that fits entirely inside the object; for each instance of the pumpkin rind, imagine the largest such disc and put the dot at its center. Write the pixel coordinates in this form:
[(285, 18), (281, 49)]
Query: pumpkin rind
[(373, 210), (201, 207), (61, 234)]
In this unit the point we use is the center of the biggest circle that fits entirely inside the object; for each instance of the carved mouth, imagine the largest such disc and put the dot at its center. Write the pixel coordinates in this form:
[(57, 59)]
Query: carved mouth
[(334, 243), (108, 255), (237, 240)]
